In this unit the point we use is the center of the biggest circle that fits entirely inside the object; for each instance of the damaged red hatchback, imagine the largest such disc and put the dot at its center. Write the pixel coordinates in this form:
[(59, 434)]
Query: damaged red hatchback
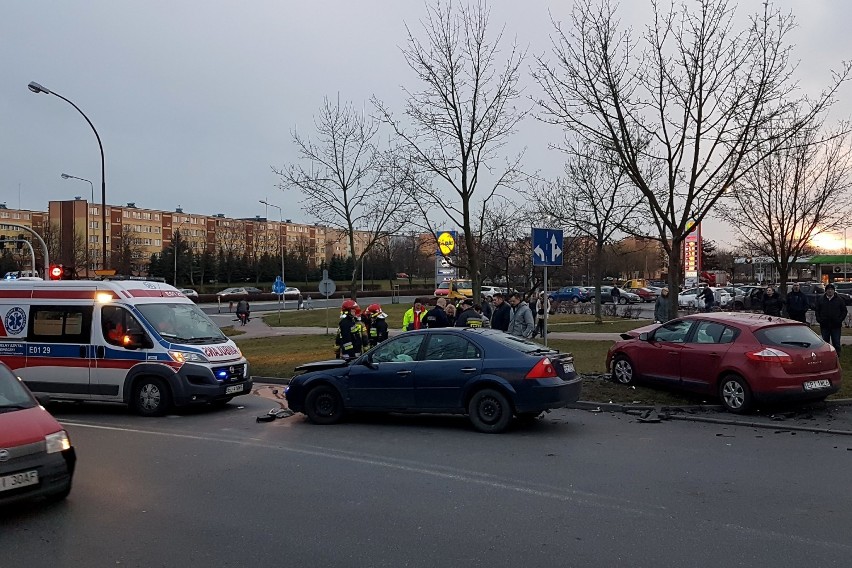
[(741, 358)]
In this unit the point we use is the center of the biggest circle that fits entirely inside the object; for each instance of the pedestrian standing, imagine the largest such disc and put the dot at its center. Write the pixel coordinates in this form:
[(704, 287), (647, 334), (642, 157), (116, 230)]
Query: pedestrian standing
[(522, 323), (413, 318), (615, 293), (830, 314), (542, 307), (451, 315), (300, 304), (797, 304), (468, 316), (772, 302), (378, 325), (487, 307), (502, 313), (437, 316), (348, 339), (661, 307), (309, 304), (709, 298)]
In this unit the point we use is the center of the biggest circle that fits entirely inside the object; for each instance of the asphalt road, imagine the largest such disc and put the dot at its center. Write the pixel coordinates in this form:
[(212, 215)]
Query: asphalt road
[(215, 488)]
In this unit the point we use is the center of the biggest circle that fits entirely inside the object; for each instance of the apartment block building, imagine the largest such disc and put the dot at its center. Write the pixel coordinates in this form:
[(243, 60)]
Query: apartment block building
[(74, 229)]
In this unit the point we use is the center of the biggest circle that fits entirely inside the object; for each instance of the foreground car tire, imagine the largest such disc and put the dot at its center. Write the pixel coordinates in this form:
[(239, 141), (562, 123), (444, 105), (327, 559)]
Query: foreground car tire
[(623, 371), (489, 411), (323, 405), (735, 394), (151, 397)]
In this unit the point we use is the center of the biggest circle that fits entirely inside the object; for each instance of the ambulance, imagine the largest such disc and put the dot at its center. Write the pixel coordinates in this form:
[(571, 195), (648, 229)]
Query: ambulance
[(136, 342)]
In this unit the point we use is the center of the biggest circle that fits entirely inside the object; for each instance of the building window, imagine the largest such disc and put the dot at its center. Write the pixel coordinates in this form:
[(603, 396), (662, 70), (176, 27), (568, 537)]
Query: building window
[(93, 224)]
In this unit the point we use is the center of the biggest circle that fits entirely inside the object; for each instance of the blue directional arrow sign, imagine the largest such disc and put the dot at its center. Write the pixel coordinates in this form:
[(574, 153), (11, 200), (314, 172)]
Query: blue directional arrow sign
[(547, 247), (278, 286)]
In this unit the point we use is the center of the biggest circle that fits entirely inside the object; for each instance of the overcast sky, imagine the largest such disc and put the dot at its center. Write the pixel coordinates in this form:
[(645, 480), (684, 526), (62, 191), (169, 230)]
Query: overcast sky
[(195, 100)]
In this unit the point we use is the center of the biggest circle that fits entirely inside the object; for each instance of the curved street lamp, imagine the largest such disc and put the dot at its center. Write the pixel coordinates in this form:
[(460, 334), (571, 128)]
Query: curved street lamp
[(36, 88)]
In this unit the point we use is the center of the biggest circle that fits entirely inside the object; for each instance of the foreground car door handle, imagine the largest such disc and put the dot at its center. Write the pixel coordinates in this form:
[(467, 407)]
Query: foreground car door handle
[(404, 372), (468, 370)]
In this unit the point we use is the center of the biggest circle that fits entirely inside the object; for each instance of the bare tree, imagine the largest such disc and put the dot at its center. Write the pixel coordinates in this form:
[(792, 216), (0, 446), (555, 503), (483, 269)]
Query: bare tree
[(126, 251), (504, 238), (461, 117), (595, 199), (784, 201), (231, 243), (348, 183), (682, 107)]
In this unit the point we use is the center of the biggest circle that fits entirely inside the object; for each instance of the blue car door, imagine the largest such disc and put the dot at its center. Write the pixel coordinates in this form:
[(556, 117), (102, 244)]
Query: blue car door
[(448, 363), (386, 379)]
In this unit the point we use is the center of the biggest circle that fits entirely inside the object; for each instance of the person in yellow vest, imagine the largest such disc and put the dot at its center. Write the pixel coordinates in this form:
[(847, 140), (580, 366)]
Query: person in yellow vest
[(413, 318)]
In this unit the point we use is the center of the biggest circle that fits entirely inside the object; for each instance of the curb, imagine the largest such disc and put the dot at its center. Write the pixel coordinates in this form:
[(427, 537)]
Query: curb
[(271, 380)]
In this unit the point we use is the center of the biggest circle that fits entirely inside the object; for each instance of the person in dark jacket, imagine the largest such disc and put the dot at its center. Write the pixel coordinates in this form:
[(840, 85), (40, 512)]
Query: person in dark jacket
[(451, 315), (709, 298), (348, 340), (615, 294), (661, 307), (797, 304), (378, 326), (502, 314), (830, 314), (437, 316), (468, 316), (771, 302)]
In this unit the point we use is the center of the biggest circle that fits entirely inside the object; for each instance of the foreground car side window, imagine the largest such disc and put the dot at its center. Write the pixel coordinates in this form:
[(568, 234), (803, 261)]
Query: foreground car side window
[(713, 332), (443, 347), (673, 332), (399, 350)]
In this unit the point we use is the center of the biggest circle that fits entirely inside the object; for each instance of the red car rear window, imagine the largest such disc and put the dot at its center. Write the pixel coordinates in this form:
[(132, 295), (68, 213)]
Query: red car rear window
[(789, 336)]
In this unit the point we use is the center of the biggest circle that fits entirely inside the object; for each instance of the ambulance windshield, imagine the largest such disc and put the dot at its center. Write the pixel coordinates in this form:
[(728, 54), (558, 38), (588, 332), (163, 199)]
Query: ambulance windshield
[(181, 323)]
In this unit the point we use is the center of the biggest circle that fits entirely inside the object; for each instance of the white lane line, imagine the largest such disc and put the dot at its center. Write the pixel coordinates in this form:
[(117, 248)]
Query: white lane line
[(561, 495)]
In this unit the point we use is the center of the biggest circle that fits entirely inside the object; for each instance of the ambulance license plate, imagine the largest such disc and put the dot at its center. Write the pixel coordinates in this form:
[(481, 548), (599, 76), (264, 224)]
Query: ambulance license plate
[(234, 388), (8, 482)]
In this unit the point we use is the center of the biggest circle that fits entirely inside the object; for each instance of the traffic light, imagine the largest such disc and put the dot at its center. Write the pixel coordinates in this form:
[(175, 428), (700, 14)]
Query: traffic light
[(56, 271), (2, 242), (20, 244)]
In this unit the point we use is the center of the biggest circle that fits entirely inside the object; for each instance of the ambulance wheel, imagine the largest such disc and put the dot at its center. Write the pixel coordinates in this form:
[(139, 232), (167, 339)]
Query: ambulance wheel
[(151, 397)]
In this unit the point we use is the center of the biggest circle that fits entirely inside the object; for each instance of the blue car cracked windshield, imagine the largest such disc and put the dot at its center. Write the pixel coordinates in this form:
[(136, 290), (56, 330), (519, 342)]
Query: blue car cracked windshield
[(484, 373)]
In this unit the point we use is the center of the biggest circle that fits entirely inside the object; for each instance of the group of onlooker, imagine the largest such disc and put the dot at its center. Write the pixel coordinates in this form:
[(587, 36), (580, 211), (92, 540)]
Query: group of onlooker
[(515, 317)]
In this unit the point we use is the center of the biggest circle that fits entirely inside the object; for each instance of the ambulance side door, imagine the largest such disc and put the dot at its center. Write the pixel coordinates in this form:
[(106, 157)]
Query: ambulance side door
[(59, 349)]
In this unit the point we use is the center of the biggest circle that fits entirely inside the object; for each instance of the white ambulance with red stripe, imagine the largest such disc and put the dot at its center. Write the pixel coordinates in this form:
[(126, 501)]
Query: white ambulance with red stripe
[(137, 342)]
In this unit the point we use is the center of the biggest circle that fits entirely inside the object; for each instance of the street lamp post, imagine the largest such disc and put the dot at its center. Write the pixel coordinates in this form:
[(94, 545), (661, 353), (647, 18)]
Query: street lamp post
[(280, 243), (36, 88), (67, 176)]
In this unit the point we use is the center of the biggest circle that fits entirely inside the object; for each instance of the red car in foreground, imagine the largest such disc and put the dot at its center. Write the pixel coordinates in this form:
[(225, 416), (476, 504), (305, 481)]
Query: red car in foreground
[(36, 456), (741, 358)]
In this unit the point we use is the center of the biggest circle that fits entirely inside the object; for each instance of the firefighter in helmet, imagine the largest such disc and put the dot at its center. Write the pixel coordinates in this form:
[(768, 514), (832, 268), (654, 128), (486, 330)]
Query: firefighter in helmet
[(378, 325), (348, 340)]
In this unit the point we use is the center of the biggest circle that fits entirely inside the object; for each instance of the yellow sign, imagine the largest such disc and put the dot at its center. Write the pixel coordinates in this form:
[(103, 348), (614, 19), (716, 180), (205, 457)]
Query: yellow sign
[(446, 243)]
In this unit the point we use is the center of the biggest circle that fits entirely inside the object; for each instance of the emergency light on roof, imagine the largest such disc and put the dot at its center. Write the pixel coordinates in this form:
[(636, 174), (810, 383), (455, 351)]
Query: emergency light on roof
[(103, 297)]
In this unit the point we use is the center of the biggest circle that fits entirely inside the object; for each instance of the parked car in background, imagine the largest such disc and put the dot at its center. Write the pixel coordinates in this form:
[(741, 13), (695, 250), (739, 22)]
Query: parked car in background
[(189, 292), (690, 298), (625, 297), (483, 373), (574, 294), (36, 455), (291, 292), (742, 358), (647, 294), (454, 289), (487, 292), (814, 290), (228, 293)]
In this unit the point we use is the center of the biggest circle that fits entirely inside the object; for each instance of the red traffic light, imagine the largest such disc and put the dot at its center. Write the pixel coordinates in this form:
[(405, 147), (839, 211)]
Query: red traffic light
[(56, 271)]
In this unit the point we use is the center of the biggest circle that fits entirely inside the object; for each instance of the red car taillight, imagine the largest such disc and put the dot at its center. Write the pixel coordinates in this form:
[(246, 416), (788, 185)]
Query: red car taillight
[(769, 355), (543, 370)]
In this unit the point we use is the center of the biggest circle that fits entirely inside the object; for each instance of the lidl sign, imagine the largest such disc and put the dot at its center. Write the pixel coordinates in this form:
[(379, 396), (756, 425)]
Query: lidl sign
[(446, 243)]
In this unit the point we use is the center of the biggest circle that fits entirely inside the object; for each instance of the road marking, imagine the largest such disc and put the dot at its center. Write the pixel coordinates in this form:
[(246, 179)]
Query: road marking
[(484, 479)]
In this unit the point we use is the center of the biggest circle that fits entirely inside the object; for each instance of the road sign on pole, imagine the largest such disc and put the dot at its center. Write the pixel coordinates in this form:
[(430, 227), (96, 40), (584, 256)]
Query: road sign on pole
[(547, 247), (326, 288)]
